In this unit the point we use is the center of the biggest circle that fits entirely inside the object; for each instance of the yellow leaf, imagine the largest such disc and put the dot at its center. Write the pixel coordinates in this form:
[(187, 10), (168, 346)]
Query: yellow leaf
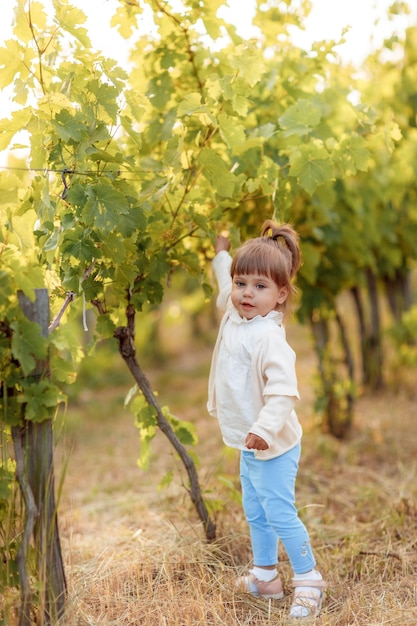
[(31, 22), (54, 102), (37, 16), (15, 60), (395, 132), (21, 29), (38, 151), (8, 128), (186, 159), (9, 62), (125, 19)]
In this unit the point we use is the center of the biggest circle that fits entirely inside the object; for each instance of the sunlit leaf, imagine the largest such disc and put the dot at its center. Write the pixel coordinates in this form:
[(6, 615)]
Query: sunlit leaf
[(15, 59), (312, 165), (352, 155), (216, 172), (9, 127), (70, 18), (300, 119), (125, 18), (69, 126), (191, 104), (232, 131), (249, 63), (28, 344), (40, 399)]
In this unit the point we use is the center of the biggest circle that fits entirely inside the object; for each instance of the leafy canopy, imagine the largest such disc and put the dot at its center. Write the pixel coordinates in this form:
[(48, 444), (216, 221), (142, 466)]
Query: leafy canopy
[(132, 171)]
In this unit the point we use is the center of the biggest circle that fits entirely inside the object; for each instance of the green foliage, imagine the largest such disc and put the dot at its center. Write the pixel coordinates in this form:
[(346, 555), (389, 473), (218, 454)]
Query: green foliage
[(185, 431), (131, 173), (8, 532), (6, 479), (146, 420), (140, 169), (404, 336)]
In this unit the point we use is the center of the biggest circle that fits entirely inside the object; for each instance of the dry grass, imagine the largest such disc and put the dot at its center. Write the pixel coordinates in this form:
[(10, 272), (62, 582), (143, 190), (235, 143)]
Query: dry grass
[(137, 556)]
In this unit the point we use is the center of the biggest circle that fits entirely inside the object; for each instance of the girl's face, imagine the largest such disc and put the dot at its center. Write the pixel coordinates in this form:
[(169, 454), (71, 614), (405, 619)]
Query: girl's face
[(254, 295)]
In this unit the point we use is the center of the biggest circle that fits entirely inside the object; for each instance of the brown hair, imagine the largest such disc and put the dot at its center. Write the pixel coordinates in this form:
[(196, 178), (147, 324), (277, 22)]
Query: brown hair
[(276, 254)]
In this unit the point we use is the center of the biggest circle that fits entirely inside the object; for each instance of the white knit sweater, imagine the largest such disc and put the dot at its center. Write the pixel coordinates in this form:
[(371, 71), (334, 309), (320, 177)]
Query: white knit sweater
[(252, 382)]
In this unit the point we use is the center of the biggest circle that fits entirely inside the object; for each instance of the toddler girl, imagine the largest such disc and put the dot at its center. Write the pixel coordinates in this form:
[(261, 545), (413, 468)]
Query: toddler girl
[(252, 392)]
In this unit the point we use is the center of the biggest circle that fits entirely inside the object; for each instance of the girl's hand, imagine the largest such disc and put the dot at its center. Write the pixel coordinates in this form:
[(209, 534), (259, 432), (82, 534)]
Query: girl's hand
[(222, 243), (253, 442)]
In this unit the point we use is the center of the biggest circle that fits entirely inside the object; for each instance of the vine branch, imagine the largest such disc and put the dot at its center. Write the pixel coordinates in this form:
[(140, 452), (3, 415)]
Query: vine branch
[(125, 336), (56, 321)]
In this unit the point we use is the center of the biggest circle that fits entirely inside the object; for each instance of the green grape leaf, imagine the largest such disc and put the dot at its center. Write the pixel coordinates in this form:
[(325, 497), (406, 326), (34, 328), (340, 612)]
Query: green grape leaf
[(63, 369), (166, 480), (29, 278), (9, 127), (352, 155), (106, 97), (160, 90), (82, 249), (300, 118), (104, 206), (68, 126), (312, 166), (15, 59), (231, 131), (249, 63), (113, 247), (105, 326), (191, 105), (7, 473), (125, 18), (216, 172), (70, 18), (39, 399), (240, 104), (185, 431), (28, 344)]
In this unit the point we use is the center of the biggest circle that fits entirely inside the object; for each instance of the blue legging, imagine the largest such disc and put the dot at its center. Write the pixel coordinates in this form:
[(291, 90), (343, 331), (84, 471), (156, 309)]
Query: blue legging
[(269, 504)]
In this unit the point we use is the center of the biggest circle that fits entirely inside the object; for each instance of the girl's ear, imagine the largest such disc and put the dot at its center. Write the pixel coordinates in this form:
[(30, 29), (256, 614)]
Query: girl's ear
[(282, 295)]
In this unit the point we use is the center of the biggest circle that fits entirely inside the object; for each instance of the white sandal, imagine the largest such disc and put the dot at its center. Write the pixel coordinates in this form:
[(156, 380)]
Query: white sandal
[(306, 602)]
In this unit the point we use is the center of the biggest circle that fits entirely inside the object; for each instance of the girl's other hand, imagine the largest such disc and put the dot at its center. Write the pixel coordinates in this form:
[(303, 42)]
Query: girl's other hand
[(222, 243), (254, 442)]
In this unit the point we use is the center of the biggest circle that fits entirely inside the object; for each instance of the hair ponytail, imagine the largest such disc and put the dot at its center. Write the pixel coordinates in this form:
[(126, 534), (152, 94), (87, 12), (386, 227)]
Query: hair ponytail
[(286, 237)]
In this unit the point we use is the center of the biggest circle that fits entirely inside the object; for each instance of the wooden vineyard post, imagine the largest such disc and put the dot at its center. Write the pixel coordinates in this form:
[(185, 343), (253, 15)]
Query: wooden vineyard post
[(33, 443)]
